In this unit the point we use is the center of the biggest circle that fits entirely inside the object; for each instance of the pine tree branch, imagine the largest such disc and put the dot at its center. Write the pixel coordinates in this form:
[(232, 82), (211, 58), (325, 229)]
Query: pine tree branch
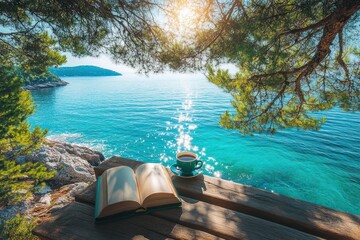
[(340, 57), (313, 26)]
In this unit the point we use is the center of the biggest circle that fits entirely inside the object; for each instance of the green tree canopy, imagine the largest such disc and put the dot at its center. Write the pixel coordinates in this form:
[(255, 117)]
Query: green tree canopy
[(32, 34), (16, 139), (294, 58)]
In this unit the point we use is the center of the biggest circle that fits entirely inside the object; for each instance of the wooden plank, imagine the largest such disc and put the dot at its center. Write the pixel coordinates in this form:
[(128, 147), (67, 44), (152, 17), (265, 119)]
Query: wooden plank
[(76, 221), (218, 221), (171, 229), (230, 224), (301, 215)]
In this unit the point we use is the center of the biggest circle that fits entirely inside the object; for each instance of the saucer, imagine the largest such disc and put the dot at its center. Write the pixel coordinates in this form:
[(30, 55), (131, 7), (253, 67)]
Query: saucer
[(178, 172)]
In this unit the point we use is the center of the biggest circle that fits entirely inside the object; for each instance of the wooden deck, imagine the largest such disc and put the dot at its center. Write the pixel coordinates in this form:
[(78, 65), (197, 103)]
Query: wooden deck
[(212, 209)]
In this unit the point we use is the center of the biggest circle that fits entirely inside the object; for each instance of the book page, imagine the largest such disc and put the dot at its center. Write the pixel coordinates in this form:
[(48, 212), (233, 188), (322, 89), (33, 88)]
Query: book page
[(152, 179), (121, 185)]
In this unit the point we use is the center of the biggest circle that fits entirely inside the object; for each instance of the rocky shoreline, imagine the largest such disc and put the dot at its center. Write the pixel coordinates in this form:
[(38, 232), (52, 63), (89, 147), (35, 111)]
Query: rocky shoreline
[(45, 85), (74, 172)]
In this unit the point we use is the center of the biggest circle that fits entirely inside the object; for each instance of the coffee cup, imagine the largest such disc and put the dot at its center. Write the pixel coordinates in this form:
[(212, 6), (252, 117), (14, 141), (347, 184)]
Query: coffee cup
[(187, 162)]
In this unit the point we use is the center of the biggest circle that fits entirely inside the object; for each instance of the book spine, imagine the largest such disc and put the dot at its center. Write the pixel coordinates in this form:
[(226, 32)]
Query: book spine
[(97, 199)]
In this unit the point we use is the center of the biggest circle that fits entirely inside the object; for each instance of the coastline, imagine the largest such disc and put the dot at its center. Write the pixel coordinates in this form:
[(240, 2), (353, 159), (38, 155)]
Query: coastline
[(132, 117), (74, 172), (58, 83)]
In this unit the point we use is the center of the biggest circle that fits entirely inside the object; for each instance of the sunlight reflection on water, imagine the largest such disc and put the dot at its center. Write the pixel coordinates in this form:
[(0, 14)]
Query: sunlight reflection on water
[(183, 139), (152, 119), (185, 128)]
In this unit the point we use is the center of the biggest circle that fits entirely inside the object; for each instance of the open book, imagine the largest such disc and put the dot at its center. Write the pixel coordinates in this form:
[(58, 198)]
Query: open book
[(124, 192)]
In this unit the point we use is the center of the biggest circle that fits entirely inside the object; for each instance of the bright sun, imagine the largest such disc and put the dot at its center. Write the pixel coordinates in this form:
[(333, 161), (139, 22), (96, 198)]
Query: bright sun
[(184, 20), (184, 15)]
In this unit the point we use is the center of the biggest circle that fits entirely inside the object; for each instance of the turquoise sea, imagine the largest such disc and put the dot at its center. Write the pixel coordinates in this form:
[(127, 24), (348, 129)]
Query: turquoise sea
[(152, 118)]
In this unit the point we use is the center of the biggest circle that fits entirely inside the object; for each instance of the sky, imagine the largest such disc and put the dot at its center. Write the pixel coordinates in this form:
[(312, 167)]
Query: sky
[(101, 61), (106, 62)]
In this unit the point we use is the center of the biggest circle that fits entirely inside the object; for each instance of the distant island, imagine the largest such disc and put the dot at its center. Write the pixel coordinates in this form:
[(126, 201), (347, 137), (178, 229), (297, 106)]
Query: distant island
[(51, 78), (83, 71)]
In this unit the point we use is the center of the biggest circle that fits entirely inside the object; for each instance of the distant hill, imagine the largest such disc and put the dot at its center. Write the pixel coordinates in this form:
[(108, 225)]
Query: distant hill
[(83, 71)]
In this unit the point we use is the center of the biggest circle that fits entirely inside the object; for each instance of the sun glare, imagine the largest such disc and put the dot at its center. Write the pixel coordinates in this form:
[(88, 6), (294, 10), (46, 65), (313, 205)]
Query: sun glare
[(183, 19), (184, 15)]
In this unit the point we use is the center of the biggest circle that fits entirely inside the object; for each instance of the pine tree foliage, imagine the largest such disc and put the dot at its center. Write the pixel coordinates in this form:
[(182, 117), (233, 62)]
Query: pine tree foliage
[(294, 58), (16, 139), (32, 33), (123, 29), (18, 228)]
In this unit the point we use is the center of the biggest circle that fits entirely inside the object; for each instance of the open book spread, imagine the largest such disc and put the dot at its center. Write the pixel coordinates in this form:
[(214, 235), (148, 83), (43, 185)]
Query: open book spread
[(121, 190)]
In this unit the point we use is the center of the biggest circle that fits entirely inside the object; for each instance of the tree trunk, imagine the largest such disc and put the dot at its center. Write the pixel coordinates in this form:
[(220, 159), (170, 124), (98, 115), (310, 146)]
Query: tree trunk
[(334, 25)]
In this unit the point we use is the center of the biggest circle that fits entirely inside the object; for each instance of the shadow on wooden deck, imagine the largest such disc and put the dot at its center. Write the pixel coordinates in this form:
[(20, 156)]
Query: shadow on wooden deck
[(212, 208)]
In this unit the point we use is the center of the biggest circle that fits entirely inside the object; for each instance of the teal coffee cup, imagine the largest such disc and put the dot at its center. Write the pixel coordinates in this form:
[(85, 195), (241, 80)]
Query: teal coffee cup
[(187, 162)]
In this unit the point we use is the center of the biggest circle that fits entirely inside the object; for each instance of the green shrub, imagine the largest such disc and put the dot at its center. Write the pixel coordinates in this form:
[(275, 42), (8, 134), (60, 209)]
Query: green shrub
[(17, 139), (18, 228)]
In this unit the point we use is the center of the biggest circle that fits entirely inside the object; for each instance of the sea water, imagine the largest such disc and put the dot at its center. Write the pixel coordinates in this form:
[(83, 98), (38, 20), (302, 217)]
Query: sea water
[(152, 118)]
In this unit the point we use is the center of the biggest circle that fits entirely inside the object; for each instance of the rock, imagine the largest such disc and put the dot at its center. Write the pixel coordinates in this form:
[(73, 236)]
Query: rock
[(45, 190), (72, 163), (30, 87), (8, 212), (69, 168), (46, 199), (92, 156), (46, 85), (40, 205), (74, 167), (71, 190)]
